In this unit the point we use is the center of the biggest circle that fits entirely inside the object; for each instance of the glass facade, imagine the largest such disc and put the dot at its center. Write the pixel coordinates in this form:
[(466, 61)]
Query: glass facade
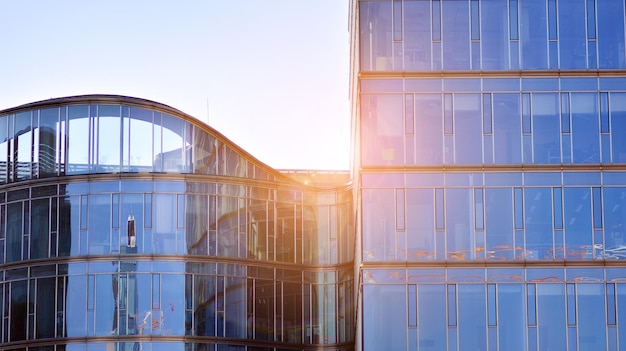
[(490, 174), (127, 225)]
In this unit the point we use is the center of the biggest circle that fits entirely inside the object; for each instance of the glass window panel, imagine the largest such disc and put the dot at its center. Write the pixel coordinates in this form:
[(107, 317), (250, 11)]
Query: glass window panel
[(621, 310), (487, 115), (140, 142), (451, 305), (533, 38), (591, 19), (432, 316), (436, 14), (417, 38), (4, 147), (456, 31), (538, 223), (513, 20), (22, 145), (585, 128), (78, 139), (459, 224), (573, 37), (48, 156), (472, 316), (14, 231), (385, 325), (420, 224), (506, 128), (604, 112), (494, 34), (378, 224), (571, 304), (610, 304), (615, 222), (109, 139), (578, 227), (468, 129), (382, 129), (551, 315), (376, 36), (499, 223), (591, 316), (165, 223), (618, 126), (512, 315), (546, 129), (428, 134), (40, 228)]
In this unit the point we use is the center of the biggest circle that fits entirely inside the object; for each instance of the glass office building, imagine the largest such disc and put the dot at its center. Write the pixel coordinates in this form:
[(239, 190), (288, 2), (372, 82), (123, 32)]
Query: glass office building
[(127, 225), (490, 170)]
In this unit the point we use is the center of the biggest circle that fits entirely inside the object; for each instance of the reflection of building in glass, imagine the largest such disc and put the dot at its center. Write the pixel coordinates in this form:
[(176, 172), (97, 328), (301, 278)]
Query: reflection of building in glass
[(491, 142), (174, 239)]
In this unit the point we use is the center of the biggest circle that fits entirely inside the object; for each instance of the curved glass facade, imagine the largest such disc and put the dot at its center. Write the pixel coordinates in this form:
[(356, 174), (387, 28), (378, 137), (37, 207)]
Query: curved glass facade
[(127, 225), (490, 174)]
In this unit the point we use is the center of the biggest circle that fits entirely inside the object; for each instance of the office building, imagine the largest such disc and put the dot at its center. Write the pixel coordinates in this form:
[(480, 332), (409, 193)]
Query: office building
[(490, 142), (127, 225)]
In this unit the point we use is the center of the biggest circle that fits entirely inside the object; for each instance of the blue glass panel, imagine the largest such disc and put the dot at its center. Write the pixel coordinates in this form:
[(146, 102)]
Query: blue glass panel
[(451, 304), (503, 179), (440, 212), (382, 129), (437, 55), (605, 139), (491, 305), (461, 84), (551, 315), (476, 55), (604, 112), (533, 26), (420, 224), (615, 222), (591, 19), (475, 20), (612, 83), (542, 178), (585, 128), (409, 114), (552, 22), (613, 178), (611, 34), (566, 140), (455, 32), (509, 275), (580, 84), (499, 223), (417, 37), (572, 341), (492, 339), (432, 317), (610, 304), (554, 54), (381, 85), (500, 84), (540, 84), (459, 275), (565, 113), (448, 122), (545, 275), (532, 339), (424, 179), (621, 312), (512, 316), (376, 36), (429, 133), (459, 224), (468, 129), (384, 325), (449, 149), (378, 225), (581, 178), (515, 55), (464, 179), (426, 85), (571, 304), (531, 303), (591, 316), (513, 19), (546, 129), (494, 35), (472, 317), (506, 129), (618, 126), (397, 20), (427, 275), (573, 37), (412, 305), (612, 338), (597, 208), (592, 56), (479, 208), (578, 226), (488, 150), (436, 20), (538, 216), (384, 180)]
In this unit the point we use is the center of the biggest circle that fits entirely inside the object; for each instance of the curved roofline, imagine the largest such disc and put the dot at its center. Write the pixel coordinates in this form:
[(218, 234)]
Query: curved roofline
[(145, 103)]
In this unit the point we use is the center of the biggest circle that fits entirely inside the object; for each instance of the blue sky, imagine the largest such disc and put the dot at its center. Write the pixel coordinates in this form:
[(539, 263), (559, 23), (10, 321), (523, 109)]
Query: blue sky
[(274, 72)]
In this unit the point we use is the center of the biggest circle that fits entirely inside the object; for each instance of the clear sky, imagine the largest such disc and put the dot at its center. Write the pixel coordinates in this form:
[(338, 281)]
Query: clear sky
[(272, 74)]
